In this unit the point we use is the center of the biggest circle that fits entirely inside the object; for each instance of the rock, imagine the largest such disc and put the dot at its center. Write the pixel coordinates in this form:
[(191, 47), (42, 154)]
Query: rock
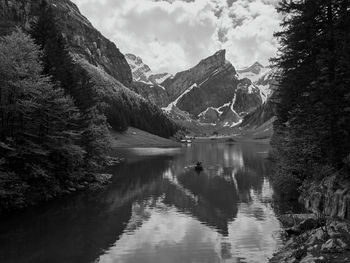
[(210, 115), (334, 245), (309, 259), (328, 245), (293, 231), (321, 258), (308, 224), (331, 197), (294, 219), (341, 243), (152, 92), (182, 80), (299, 253), (319, 234)]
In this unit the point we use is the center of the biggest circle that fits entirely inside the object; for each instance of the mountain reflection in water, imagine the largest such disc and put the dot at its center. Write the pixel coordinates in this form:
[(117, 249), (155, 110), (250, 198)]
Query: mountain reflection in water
[(158, 209)]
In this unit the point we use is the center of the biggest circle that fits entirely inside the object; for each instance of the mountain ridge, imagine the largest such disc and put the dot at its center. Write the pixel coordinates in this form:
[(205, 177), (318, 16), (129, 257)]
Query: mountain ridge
[(211, 92), (98, 56)]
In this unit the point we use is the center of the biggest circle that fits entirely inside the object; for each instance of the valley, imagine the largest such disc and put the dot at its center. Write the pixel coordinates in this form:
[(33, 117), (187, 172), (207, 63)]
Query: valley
[(174, 131), (211, 96)]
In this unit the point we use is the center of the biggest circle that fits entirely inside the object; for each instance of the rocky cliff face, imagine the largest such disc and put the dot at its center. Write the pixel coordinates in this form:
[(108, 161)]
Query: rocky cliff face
[(213, 93), (154, 93), (84, 41), (213, 90), (183, 80), (141, 72), (263, 79), (330, 197), (146, 83)]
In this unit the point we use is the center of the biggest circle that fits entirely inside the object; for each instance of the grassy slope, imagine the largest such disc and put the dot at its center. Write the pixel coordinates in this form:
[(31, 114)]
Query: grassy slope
[(137, 138)]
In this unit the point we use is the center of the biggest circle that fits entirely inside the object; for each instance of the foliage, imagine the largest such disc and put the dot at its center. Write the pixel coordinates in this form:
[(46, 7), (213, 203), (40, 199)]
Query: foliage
[(312, 130), (39, 132), (75, 81), (121, 111), (54, 119)]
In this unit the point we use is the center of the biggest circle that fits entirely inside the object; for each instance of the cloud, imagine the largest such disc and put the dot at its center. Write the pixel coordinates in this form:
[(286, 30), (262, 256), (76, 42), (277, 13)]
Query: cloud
[(172, 35)]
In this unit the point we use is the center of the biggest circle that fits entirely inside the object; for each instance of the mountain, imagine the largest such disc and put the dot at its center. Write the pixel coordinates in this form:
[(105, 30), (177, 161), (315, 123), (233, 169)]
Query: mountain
[(255, 69), (97, 56), (260, 76), (141, 72), (145, 82), (212, 93), (259, 122), (84, 41)]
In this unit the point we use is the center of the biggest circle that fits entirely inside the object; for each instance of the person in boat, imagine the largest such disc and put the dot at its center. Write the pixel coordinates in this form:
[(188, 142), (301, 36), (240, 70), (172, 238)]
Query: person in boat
[(199, 166)]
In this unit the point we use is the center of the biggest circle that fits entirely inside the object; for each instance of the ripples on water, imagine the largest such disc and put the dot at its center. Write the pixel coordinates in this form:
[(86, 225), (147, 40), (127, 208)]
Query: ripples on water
[(158, 209)]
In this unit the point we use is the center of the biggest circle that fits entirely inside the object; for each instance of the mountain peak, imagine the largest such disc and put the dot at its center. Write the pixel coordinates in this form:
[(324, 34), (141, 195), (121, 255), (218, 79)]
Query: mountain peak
[(257, 64), (216, 60), (221, 52), (255, 68)]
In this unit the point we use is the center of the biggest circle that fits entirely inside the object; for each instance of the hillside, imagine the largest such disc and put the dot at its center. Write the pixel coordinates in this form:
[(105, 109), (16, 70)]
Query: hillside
[(99, 57), (137, 138)]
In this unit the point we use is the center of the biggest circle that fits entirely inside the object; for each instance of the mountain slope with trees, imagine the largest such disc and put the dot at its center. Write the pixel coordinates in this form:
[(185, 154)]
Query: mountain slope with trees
[(47, 145), (313, 97), (57, 109), (95, 61)]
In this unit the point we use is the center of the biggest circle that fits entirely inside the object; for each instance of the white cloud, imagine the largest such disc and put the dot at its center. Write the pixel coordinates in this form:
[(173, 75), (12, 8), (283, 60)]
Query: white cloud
[(173, 35)]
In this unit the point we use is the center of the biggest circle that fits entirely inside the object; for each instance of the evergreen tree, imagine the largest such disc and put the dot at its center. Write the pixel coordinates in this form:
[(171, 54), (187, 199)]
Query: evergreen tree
[(312, 130), (39, 136), (56, 59)]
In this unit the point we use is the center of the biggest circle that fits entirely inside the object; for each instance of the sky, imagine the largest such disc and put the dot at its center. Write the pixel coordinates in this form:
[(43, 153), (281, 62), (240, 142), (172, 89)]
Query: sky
[(174, 35)]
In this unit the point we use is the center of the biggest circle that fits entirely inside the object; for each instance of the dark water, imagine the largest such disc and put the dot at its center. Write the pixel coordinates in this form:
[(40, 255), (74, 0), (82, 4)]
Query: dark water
[(158, 209)]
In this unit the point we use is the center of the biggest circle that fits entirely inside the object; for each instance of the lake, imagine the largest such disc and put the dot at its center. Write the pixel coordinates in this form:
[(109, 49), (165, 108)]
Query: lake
[(158, 209)]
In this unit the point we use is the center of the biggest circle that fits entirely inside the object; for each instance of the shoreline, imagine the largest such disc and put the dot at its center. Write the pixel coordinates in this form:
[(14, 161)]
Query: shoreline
[(231, 139), (313, 239), (134, 138)]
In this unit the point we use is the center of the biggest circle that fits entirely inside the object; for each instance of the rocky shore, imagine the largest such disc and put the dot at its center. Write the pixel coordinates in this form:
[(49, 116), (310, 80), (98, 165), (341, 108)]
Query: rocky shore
[(314, 239)]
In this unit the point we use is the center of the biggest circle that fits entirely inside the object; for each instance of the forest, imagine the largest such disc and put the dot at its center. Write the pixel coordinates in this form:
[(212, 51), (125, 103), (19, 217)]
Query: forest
[(313, 98), (54, 120)]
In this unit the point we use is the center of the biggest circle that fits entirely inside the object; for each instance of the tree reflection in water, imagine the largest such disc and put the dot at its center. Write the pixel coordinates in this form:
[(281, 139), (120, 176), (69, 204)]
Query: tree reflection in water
[(157, 209)]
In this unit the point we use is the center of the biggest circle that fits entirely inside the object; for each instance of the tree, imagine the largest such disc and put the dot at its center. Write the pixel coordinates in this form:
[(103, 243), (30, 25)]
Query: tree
[(312, 130), (76, 82), (39, 132)]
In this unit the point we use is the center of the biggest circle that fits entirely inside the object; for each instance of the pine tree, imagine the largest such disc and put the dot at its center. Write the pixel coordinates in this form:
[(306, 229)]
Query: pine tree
[(39, 139), (312, 130)]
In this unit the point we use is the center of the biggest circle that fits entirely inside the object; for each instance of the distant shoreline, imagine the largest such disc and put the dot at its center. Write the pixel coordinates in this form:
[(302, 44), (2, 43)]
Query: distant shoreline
[(137, 138), (235, 139), (133, 138)]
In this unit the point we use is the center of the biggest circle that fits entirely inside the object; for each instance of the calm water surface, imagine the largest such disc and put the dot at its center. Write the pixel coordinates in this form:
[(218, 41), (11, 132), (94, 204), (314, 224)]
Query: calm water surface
[(158, 209)]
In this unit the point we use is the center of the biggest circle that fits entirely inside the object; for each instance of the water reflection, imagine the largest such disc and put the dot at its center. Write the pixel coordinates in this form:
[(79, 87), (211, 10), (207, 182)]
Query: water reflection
[(158, 209)]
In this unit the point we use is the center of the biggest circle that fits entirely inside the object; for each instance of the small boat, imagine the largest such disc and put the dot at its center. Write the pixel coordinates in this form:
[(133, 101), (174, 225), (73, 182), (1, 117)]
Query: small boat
[(198, 167)]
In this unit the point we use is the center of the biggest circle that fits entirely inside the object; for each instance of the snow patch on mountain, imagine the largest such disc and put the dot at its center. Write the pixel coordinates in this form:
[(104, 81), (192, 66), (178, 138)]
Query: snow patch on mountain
[(260, 77), (172, 104), (143, 73), (162, 79)]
